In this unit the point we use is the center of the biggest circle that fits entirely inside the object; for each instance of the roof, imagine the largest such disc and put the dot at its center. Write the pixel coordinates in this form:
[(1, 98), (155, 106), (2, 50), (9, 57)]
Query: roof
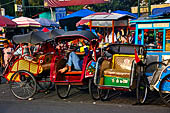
[(83, 34), (106, 17), (150, 21)]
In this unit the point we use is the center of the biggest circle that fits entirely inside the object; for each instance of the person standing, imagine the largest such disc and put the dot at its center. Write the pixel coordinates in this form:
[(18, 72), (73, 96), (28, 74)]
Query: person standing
[(7, 51)]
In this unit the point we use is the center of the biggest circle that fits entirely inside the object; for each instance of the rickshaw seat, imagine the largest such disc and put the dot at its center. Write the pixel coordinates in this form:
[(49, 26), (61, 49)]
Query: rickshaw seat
[(115, 72), (121, 66), (73, 73)]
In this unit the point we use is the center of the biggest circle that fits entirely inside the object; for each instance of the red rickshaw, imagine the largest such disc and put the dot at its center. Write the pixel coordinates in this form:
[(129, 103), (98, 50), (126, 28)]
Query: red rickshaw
[(64, 81)]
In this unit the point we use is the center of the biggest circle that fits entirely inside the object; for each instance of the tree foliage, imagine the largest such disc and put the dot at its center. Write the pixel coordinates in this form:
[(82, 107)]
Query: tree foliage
[(113, 5)]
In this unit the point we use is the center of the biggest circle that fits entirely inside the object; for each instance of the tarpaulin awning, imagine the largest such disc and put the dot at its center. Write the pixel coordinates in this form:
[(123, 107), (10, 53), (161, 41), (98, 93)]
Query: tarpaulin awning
[(6, 22), (63, 3), (71, 20), (81, 13), (126, 13), (10, 17), (156, 12), (26, 22)]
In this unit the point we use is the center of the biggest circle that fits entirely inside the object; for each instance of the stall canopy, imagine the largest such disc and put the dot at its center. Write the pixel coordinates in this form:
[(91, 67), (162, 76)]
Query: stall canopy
[(106, 20), (63, 3), (71, 20), (26, 22), (109, 21), (5, 22), (85, 22)]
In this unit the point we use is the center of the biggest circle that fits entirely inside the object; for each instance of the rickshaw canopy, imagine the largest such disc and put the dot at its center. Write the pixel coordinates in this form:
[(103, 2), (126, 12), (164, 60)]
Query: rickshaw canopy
[(88, 35), (32, 37), (56, 32), (126, 49)]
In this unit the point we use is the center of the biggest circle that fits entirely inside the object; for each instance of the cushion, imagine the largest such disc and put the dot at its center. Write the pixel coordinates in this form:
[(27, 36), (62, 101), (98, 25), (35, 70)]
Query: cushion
[(123, 63), (117, 73)]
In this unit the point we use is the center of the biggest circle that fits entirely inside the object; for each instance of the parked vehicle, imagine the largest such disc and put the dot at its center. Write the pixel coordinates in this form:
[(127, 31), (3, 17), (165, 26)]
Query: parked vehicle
[(121, 70)]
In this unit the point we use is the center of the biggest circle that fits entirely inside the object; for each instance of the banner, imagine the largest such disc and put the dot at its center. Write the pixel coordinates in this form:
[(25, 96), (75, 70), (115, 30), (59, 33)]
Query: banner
[(63, 3), (60, 13), (18, 8)]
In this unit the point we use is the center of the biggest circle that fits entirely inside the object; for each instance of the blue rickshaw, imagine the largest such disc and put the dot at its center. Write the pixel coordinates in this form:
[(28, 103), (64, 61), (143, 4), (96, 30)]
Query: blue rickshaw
[(155, 34)]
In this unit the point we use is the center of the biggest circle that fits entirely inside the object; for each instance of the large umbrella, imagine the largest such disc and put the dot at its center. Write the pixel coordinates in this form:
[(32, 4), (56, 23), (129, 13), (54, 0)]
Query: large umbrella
[(46, 22), (5, 22), (26, 22)]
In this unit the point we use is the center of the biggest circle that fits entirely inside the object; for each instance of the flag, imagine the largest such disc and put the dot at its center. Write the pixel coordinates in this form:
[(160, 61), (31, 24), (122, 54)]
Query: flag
[(137, 59)]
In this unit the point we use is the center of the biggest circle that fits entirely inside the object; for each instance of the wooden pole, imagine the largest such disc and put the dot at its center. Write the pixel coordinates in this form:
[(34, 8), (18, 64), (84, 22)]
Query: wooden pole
[(138, 8), (113, 31), (90, 25)]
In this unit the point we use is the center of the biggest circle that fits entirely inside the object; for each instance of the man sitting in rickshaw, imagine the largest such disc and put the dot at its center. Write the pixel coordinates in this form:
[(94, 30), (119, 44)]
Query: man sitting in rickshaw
[(74, 59), (26, 50)]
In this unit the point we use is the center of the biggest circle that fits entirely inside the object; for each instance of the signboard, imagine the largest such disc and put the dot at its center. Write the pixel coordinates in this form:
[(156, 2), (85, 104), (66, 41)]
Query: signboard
[(63, 3), (18, 8), (144, 25), (161, 25), (60, 13)]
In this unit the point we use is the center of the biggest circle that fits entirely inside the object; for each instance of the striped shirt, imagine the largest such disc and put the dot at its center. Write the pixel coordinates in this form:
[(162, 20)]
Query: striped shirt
[(2, 39)]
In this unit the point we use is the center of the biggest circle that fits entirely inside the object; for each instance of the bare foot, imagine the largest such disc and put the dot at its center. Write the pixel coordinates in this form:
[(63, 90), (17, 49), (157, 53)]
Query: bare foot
[(63, 70), (69, 68)]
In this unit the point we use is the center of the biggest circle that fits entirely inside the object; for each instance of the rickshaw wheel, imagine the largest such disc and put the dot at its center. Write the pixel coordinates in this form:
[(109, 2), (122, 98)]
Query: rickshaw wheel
[(93, 90), (63, 90), (151, 68), (104, 94), (164, 90), (141, 89), (44, 85), (23, 84)]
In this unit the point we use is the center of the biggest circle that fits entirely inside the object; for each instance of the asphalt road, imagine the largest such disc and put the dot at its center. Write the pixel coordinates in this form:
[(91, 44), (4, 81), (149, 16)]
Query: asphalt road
[(75, 107), (78, 102)]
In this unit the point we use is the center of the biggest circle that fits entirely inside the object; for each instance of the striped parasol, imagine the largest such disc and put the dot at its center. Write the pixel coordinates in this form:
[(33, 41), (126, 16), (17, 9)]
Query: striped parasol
[(26, 22)]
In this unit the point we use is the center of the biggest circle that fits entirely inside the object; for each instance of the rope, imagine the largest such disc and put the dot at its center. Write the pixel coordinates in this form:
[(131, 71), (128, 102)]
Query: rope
[(7, 3)]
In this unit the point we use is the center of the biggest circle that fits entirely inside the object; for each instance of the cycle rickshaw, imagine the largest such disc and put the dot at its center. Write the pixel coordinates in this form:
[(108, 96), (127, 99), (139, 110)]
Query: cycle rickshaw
[(155, 34), (29, 65), (64, 81), (119, 69)]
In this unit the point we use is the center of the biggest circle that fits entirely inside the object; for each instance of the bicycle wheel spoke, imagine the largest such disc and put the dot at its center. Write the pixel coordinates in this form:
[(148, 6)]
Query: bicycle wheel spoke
[(25, 87)]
